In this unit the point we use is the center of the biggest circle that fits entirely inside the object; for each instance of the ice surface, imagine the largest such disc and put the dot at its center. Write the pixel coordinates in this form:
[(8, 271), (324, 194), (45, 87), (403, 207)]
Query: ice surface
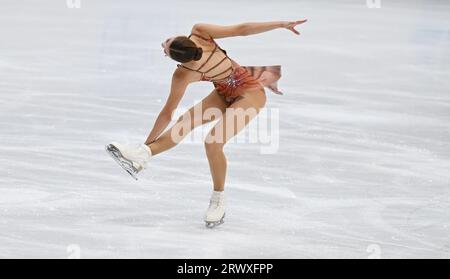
[(363, 166)]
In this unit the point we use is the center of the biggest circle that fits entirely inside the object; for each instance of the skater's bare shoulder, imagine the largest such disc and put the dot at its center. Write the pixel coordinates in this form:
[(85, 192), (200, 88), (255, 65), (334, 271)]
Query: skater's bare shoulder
[(183, 76)]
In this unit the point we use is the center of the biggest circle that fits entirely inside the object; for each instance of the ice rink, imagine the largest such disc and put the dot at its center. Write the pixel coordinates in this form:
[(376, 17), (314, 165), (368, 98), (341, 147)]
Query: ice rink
[(362, 168)]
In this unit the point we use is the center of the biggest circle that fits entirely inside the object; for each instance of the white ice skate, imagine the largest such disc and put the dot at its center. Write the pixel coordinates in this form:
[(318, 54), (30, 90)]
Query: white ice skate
[(216, 211), (132, 159)]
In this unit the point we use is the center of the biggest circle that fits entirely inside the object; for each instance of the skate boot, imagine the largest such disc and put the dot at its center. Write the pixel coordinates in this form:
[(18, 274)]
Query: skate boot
[(132, 159), (216, 211)]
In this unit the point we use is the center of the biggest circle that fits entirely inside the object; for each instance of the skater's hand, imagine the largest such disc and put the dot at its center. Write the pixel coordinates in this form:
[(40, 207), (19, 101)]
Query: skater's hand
[(290, 25)]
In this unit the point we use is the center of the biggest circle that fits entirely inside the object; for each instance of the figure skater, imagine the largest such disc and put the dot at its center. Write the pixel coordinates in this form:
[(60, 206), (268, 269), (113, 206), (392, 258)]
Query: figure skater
[(238, 94)]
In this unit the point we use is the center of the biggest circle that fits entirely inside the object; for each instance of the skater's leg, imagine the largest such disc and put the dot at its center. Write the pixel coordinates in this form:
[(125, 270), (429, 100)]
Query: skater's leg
[(193, 118), (235, 118)]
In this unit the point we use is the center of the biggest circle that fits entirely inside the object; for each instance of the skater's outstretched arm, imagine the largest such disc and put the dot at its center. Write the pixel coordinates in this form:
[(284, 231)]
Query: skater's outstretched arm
[(180, 81), (244, 29)]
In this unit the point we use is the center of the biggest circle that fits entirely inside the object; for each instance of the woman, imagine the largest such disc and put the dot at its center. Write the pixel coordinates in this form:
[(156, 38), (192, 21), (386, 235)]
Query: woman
[(238, 93)]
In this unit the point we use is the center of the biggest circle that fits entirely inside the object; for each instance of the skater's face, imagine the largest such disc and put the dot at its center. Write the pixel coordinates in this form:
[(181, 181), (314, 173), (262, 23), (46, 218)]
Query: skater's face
[(166, 44)]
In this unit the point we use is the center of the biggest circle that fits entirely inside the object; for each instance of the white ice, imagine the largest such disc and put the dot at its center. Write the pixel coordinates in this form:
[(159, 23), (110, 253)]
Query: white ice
[(363, 165)]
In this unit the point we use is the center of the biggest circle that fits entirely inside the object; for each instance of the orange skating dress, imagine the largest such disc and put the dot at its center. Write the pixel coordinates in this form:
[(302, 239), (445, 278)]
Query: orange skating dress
[(241, 78)]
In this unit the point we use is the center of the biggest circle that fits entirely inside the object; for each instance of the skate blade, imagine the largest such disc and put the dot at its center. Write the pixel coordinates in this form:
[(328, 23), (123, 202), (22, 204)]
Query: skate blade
[(120, 160), (211, 225)]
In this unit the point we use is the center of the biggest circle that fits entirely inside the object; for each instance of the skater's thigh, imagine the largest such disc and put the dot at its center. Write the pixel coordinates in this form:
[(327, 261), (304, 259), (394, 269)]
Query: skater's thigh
[(210, 108), (237, 116)]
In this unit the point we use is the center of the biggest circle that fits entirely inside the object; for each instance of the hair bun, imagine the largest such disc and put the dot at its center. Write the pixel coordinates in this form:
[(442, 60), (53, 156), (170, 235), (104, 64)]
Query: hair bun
[(198, 54)]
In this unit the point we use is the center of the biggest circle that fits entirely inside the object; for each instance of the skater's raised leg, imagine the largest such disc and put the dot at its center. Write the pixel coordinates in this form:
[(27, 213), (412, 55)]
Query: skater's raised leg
[(134, 158)]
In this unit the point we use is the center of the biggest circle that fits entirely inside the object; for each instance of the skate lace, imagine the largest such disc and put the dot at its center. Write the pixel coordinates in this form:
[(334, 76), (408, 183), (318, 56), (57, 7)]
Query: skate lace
[(215, 203)]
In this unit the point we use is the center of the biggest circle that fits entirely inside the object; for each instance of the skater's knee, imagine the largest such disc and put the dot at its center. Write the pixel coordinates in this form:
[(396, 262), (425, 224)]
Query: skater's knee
[(188, 120)]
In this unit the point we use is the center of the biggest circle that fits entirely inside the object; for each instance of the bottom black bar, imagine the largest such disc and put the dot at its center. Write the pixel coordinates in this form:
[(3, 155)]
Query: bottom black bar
[(206, 268)]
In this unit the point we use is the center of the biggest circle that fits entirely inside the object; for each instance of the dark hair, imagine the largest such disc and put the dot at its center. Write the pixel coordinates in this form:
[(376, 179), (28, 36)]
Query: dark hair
[(183, 50)]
